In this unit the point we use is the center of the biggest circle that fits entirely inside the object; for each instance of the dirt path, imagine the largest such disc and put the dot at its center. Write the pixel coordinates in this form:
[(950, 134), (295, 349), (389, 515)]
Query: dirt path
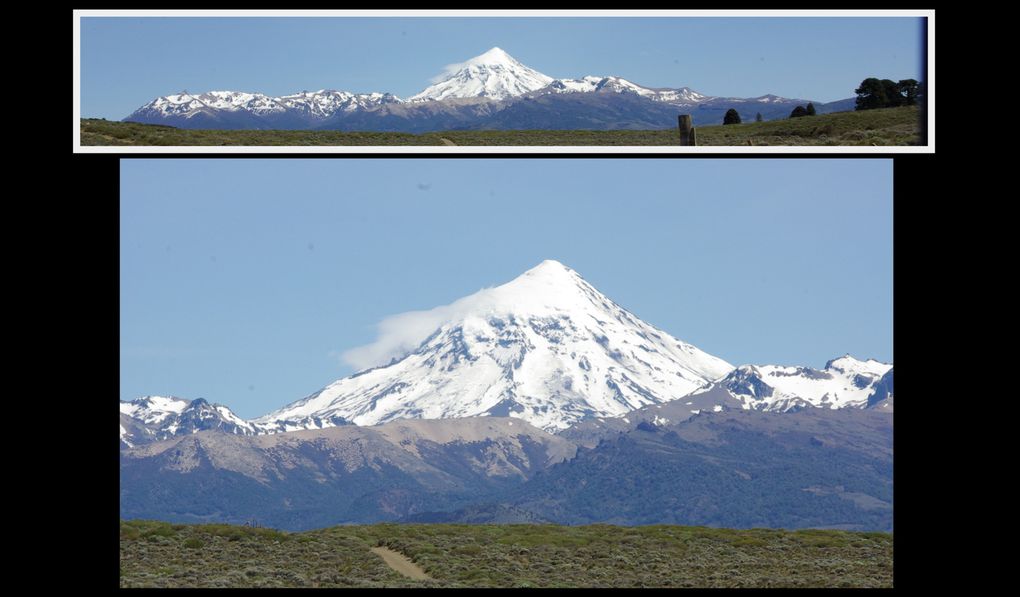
[(447, 141), (400, 563)]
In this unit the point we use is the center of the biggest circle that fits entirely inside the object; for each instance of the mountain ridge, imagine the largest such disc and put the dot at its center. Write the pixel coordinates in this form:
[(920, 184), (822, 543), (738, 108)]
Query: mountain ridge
[(467, 96), (155, 418), (812, 468), (547, 348)]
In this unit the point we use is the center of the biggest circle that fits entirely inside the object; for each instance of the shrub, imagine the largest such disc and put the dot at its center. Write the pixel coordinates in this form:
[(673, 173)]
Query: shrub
[(129, 533), (731, 117), (159, 530), (468, 550), (194, 543)]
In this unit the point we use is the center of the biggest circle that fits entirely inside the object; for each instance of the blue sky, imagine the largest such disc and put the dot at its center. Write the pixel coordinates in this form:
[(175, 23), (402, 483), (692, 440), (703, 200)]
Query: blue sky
[(128, 61), (243, 280)]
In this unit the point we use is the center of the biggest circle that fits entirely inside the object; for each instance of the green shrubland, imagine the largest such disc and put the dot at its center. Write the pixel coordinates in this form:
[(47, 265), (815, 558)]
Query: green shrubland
[(157, 554), (887, 126)]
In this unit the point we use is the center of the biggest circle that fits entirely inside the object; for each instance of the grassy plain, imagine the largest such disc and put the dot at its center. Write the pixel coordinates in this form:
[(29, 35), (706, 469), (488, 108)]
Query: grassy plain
[(889, 126), (160, 554)]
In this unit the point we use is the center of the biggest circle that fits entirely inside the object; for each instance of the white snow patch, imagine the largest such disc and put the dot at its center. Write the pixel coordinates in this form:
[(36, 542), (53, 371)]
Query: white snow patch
[(154, 409)]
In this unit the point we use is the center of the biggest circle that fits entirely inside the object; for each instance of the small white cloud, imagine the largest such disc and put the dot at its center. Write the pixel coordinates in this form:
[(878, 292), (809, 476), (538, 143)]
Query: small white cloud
[(448, 70), (400, 334)]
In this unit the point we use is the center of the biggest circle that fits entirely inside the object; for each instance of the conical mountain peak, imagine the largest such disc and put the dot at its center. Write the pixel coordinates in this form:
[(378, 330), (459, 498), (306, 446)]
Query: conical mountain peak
[(493, 57), (549, 288), (551, 272), (493, 75), (546, 347), (549, 267)]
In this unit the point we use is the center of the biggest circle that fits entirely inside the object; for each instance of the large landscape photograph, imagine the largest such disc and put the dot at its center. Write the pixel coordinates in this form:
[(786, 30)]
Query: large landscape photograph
[(504, 81), (506, 372)]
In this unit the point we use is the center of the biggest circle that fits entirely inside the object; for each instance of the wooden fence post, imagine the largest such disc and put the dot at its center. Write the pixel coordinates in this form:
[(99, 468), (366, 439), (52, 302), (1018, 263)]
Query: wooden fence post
[(687, 134)]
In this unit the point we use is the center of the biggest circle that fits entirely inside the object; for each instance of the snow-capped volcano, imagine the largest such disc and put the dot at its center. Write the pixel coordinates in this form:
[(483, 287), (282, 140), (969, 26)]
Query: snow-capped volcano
[(546, 347), (493, 75)]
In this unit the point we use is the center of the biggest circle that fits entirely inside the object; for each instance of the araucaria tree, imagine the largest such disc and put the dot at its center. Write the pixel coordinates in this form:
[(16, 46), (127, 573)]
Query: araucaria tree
[(731, 117), (871, 95), (908, 91), (874, 93)]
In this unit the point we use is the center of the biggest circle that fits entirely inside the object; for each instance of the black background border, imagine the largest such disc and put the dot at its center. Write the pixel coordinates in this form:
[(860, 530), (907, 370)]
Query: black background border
[(89, 259)]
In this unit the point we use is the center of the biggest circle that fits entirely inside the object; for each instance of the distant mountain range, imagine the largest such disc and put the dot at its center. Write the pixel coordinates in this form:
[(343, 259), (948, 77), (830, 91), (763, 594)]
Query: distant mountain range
[(540, 400), (490, 91), (811, 468), (547, 348)]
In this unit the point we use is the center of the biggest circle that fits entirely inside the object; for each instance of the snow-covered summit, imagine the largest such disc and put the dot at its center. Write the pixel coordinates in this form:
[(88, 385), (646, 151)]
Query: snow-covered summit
[(493, 57), (546, 347), (493, 75), (548, 288), (849, 365), (844, 382), (155, 418), (320, 104), (683, 96), (154, 409)]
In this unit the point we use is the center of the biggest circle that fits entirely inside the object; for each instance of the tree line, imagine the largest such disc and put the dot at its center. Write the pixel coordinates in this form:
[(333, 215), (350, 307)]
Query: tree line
[(873, 93), (733, 117), (884, 93)]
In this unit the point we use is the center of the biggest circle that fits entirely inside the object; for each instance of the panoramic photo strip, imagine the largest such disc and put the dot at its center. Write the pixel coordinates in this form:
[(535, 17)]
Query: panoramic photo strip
[(670, 83)]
